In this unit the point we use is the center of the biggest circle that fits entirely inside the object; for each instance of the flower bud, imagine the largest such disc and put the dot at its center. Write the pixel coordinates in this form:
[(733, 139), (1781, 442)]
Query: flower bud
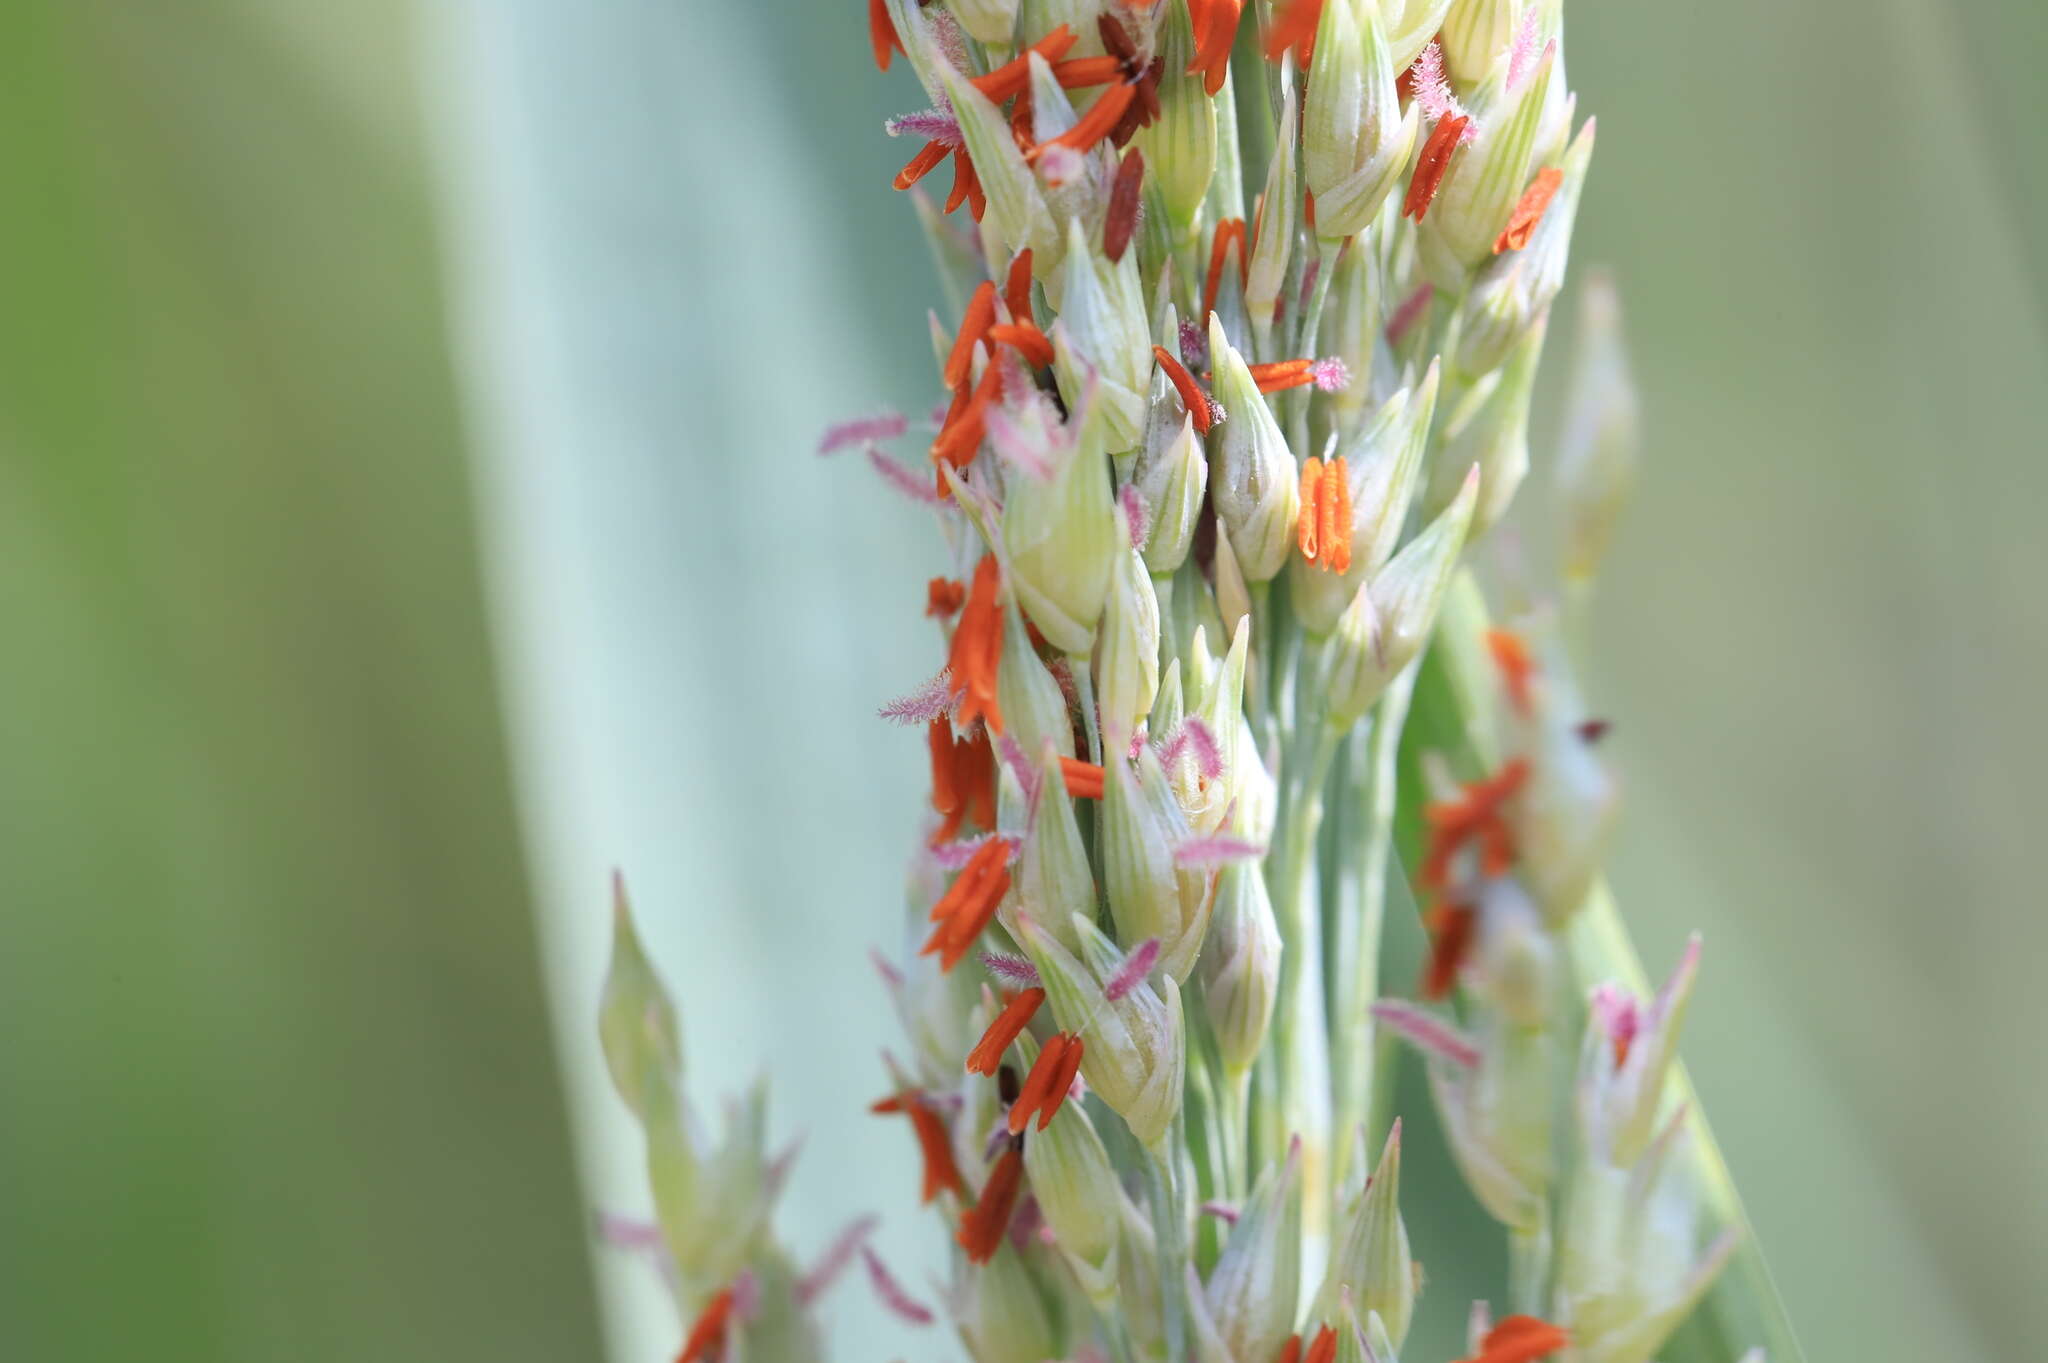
[(1626, 1060), (1476, 32), (1102, 354), (1002, 1316), (1515, 968), (1370, 1267), (1385, 462), (1064, 535), (1484, 180), (1597, 453), (1251, 471), (1034, 708), (1496, 1119), (1389, 620), (1355, 139), (1077, 1189), (1136, 1051), (1180, 145), (1266, 272), (1254, 1290), (1149, 895), (1514, 290), (1241, 965), (1053, 880), (1168, 709), (709, 1223), (1138, 1280), (1220, 707), (1017, 215), (1410, 26), (1043, 16), (1173, 481), (986, 21), (1490, 431), (1565, 813), (1127, 649), (1354, 320), (637, 1025), (1630, 1269)]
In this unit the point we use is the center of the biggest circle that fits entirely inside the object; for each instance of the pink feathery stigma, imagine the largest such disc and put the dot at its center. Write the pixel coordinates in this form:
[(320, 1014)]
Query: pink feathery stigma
[(1330, 374), (627, 1232), (1132, 972), (1020, 767), (1222, 1211), (900, 1303), (937, 419), (884, 425), (834, 1260), (1209, 853), (903, 480), (1015, 969), (1193, 739), (1617, 1014), (1522, 54), (933, 125), (1194, 345), (892, 978), (954, 856), (1137, 515), (928, 702), (1411, 309), (1428, 1033), (1433, 92)]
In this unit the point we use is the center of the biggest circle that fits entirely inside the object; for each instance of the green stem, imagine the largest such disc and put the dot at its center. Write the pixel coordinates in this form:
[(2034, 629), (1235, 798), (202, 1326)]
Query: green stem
[(1529, 1253), (1169, 1230), (1359, 932)]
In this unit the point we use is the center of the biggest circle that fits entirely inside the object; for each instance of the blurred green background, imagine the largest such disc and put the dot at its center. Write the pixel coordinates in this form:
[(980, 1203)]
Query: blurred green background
[(276, 989)]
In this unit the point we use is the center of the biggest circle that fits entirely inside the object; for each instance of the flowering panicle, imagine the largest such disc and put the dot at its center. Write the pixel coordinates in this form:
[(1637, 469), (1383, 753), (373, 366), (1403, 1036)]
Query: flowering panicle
[(1244, 293)]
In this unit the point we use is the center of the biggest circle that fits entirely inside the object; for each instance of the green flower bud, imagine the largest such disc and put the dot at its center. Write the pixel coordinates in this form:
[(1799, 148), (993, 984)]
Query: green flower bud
[(1004, 1317), (1356, 141), (1626, 1063), (1221, 709), (1354, 320), (1370, 1267), (1489, 431), (1169, 707), (1063, 535), (1385, 463), (1476, 32), (1254, 1290), (636, 1020), (1515, 969), (1043, 16), (1127, 663), (1485, 179), (1251, 471), (1630, 1267), (1034, 708), (1241, 965), (1496, 1119), (1564, 816), (1514, 290), (1077, 1189), (1053, 880), (1017, 215), (1389, 620), (1410, 26), (712, 1220), (1173, 483), (1598, 451), (986, 21), (1266, 271), (1138, 1280), (1180, 146), (1135, 1057), (1149, 895), (1102, 352)]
